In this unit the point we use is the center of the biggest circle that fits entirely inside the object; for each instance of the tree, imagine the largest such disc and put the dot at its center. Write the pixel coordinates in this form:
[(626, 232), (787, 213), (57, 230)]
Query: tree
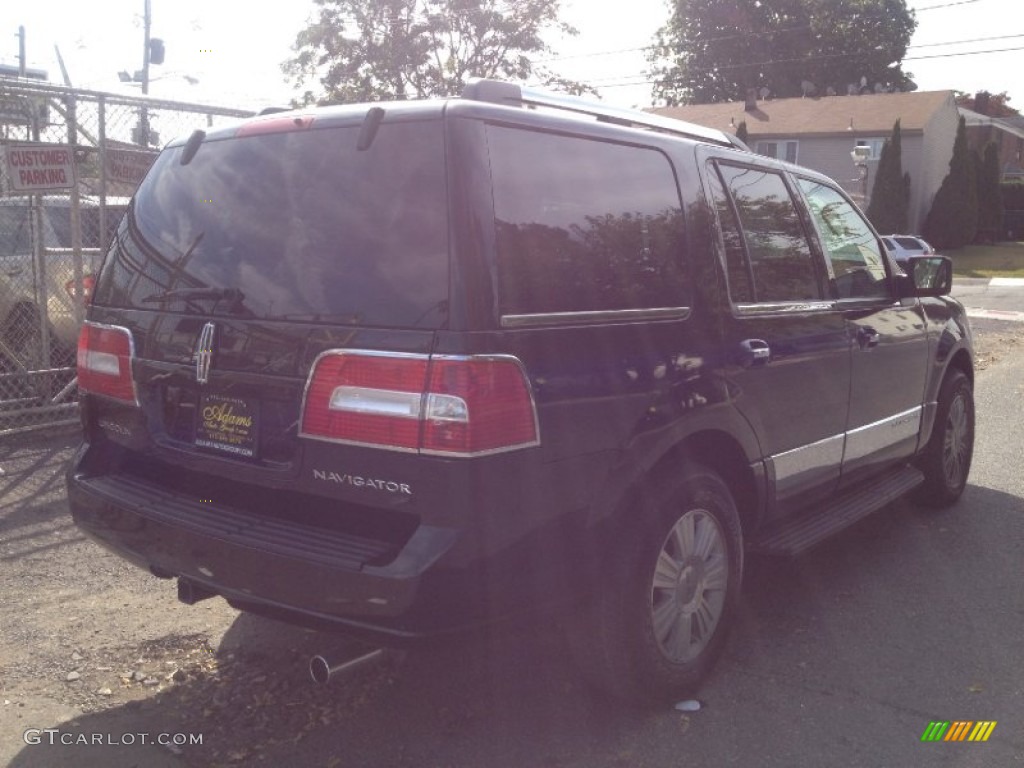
[(985, 103), (953, 218), (366, 50), (716, 50), (890, 196), (990, 195), (741, 132)]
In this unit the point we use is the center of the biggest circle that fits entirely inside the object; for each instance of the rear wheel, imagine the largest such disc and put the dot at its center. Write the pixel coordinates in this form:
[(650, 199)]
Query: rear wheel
[(946, 461), (661, 617)]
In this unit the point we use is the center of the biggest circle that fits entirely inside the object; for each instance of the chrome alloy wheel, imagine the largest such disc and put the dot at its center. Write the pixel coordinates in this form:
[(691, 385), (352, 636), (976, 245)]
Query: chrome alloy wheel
[(689, 586), (956, 443)]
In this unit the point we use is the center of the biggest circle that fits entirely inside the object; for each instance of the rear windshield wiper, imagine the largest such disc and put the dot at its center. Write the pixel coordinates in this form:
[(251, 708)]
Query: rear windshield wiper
[(194, 294), (235, 298)]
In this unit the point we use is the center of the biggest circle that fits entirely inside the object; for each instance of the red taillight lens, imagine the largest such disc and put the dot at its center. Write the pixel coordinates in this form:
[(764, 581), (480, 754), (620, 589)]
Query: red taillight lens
[(275, 124), (451, 406), (105, 362), (88, 283), (369, 399), (477, 405)]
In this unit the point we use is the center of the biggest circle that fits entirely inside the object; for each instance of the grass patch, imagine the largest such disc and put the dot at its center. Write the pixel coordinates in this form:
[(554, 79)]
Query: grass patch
[(999, 260)]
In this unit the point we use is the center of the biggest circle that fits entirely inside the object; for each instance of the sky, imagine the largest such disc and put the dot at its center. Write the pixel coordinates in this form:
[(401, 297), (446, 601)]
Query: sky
[(228, 52)]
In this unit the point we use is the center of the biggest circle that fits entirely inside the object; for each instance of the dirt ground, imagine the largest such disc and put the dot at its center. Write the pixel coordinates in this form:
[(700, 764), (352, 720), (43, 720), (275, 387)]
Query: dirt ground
[(104, 652)]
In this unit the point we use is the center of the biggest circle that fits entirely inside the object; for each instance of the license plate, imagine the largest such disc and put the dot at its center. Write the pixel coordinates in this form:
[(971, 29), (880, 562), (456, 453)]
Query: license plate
[(228, 424)]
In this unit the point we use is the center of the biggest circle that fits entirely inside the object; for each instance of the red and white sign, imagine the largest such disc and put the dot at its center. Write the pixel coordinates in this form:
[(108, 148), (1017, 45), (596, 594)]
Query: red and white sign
[(40, 167), (128, 166)]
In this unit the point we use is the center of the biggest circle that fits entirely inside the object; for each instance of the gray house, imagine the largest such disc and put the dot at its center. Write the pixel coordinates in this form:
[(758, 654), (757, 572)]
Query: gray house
[(822, 132)]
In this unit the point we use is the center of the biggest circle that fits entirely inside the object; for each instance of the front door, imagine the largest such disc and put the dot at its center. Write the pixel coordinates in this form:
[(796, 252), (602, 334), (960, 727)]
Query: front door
[(889, 343)]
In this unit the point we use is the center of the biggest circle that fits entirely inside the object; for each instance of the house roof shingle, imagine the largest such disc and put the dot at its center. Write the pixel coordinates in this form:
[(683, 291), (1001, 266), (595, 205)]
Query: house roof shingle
[(872, 113)]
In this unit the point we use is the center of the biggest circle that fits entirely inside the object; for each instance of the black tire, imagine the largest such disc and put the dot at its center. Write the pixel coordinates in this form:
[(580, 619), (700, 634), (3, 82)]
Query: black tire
[(649, 642), (946, 461)]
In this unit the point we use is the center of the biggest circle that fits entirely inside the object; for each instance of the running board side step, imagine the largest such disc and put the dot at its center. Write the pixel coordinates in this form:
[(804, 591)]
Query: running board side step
[(796, 535)]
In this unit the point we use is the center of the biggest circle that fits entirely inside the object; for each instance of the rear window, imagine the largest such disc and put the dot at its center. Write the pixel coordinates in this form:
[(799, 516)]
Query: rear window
[(584, 225), (295, 225), (911, 243)]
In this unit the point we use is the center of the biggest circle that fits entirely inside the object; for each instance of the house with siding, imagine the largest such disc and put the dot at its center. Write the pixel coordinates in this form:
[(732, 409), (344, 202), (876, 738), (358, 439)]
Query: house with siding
[(822, 132), (1008, 135)]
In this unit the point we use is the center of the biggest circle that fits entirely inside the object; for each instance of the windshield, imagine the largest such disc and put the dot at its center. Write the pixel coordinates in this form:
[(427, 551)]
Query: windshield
[(301, 224)]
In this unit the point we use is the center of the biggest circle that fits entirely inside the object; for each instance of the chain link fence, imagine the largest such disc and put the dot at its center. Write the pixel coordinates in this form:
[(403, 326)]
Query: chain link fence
[(71, 160)]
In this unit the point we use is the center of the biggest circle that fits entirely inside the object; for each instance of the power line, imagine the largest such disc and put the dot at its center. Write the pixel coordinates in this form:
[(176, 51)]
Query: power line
[(964, 53), (962, 42), (944, 5), (616, 51), (649, 81)]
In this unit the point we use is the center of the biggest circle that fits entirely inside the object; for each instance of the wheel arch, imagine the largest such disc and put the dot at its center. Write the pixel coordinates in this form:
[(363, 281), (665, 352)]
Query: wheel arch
[(714, 448), (962, 362)]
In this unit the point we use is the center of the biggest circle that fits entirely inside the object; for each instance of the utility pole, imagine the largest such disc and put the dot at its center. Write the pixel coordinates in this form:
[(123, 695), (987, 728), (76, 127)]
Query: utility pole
[(144, 117), (145, 49), (21, 51)]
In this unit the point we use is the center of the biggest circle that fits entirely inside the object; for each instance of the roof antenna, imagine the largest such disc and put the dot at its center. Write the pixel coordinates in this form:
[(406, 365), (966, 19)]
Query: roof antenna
[(368, 132)]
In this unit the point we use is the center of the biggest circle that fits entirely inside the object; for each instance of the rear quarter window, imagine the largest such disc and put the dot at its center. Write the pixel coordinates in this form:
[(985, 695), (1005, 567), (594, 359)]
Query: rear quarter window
[(584, 225)]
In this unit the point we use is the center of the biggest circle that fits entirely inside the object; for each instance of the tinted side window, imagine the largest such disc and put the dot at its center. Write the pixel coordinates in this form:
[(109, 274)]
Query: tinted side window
[(584, 225), (851, 246), (739, 274), (780, 256)]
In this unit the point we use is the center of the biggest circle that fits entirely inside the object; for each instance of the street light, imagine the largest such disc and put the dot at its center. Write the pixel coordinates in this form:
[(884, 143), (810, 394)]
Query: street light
[(860, 155)]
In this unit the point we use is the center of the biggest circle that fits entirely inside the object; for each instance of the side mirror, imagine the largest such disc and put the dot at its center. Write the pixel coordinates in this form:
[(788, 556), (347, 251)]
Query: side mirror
[(927, 276)]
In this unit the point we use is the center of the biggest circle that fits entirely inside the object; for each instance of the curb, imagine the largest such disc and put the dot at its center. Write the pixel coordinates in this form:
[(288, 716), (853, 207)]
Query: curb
[(995, 314)]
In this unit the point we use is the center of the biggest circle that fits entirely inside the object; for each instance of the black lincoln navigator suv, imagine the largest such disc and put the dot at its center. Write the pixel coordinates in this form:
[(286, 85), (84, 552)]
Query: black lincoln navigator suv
[(403, 368)]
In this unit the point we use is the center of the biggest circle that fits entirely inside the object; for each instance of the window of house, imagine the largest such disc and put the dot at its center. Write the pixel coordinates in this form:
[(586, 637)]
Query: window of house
[(875, 145), (781, 264), (780, 150)]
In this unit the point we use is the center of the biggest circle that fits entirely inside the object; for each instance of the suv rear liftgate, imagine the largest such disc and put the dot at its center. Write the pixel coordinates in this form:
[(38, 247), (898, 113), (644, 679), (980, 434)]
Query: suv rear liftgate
[(400, 369)]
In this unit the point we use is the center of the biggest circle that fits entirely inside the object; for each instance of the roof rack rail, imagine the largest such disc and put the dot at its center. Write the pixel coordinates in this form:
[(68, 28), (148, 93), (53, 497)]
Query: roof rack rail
[(511, 94)]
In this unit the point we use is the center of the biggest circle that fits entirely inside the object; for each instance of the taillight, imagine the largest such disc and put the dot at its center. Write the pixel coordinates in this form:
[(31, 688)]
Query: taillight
[(105, 354), (477, 405), (88, 283), (460, 406)]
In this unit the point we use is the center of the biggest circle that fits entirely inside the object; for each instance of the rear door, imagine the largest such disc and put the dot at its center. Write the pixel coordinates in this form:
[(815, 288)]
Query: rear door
[(889, 343), (786, 337)]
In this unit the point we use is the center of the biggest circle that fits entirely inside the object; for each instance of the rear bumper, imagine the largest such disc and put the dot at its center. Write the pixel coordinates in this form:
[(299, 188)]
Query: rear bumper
[(299, 573)]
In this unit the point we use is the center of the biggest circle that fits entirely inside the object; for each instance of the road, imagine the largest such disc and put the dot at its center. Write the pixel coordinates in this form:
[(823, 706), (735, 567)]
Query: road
[(841, 657), (1000, 298)]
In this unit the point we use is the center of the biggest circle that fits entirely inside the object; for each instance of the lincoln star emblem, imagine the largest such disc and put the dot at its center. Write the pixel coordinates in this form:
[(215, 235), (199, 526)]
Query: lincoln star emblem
[(204, 353)]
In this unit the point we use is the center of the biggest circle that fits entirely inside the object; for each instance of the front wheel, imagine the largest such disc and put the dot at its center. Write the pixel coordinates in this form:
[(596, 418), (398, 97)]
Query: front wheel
[(661, 616), (946, 461)]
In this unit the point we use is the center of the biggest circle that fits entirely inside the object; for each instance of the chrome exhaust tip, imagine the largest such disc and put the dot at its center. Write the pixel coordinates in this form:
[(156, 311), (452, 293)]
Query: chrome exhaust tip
[(322, 671)]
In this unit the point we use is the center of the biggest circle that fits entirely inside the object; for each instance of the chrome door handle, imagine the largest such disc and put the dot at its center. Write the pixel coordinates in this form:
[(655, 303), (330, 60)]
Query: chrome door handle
[(867, 337), (754, 353)]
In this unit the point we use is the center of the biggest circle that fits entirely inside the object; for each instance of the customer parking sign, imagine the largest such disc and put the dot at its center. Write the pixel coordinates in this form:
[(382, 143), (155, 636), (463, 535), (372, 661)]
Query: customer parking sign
[(35, 168)]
